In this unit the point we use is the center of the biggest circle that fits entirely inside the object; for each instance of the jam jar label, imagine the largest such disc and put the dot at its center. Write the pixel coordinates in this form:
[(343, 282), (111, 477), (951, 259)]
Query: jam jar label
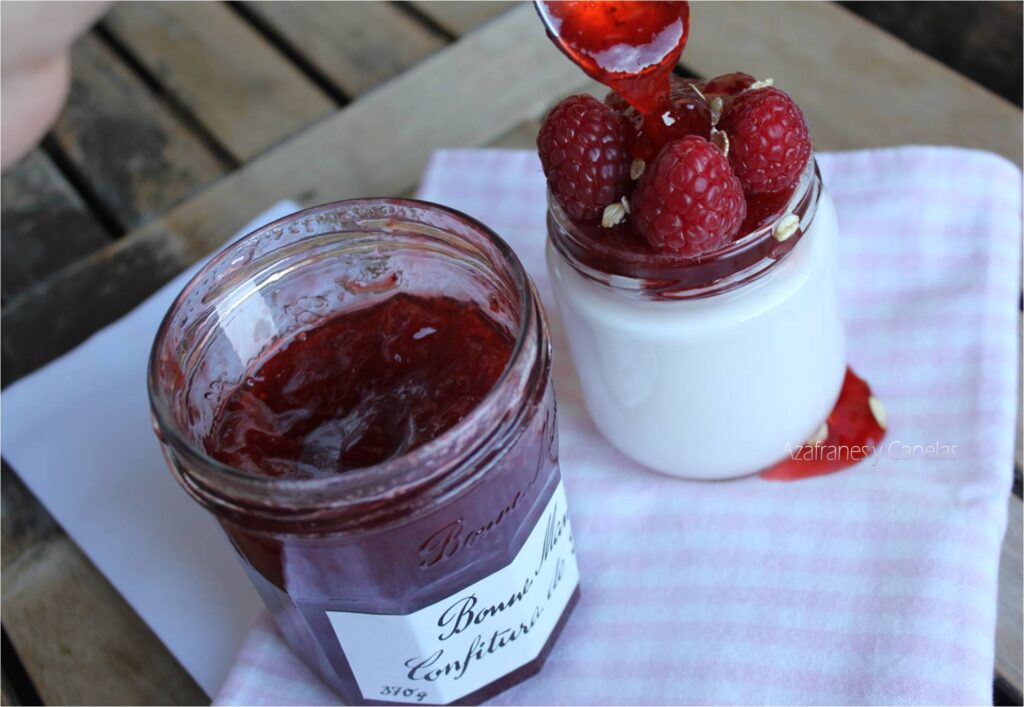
[(462, 643)]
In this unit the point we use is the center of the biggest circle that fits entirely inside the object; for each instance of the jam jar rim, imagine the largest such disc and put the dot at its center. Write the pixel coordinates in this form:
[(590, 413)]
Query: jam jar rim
[(391, 472), (803, 202)]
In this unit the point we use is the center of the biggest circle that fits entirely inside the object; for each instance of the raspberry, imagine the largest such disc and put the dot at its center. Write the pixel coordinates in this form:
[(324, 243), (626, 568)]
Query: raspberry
[(688, 201), (582, 145), (769, 143), (727, 84), (689, 115)]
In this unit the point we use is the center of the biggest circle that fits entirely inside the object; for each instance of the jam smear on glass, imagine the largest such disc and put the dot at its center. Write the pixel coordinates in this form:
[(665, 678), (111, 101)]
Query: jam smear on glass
[(361, 387)]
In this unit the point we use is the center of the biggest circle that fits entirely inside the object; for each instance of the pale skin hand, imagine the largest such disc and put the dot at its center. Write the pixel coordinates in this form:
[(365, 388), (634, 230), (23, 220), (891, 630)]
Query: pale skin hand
[(35, 67)]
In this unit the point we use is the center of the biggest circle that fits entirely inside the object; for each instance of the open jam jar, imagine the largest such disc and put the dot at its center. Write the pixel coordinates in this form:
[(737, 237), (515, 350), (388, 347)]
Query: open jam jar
[(361, 394), (706, 367)]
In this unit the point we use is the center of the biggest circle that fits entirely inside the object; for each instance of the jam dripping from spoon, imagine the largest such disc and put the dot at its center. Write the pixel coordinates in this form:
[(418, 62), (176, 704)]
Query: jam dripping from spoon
[(631, 47), (853, 429)]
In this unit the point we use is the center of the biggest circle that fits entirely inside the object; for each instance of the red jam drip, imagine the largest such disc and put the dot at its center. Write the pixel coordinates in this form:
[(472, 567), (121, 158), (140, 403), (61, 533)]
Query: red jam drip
[(853, 435), (630, 47), (361, 388)]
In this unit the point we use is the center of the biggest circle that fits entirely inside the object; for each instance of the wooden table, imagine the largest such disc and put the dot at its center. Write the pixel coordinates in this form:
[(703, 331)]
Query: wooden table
[(186, 119)]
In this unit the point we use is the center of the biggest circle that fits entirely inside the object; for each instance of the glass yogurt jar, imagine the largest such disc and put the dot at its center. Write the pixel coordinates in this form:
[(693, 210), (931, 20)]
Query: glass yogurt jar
[(706, 368), (410, 549)]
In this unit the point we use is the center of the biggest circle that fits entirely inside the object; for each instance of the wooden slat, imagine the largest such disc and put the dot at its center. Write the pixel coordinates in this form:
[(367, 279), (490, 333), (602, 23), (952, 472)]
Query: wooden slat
[(45, 224), (129, 148), (459, 17), (86, 644), (78, 639), (374, 147), (1009, 621), (356, 45), (79, 300), (859, 87), (238, 86)]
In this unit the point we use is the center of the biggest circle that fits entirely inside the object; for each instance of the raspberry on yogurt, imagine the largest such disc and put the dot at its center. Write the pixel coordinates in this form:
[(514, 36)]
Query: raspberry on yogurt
[(768, 137), (582, 146), (689, 201)]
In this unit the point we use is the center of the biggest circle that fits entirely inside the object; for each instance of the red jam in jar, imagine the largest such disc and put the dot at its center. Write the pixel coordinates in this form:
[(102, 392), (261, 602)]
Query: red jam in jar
[(361, 388), (361, 395)]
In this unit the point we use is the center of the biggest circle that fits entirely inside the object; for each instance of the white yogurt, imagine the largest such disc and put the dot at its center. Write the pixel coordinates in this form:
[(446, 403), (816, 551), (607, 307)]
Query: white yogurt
[(715, 387)]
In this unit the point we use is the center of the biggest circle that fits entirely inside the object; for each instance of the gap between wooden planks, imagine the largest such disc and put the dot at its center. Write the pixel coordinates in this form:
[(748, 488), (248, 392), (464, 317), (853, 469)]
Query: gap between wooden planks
[(46, 224), (229, 77), (457, 17), (356, 46), (128, 149)]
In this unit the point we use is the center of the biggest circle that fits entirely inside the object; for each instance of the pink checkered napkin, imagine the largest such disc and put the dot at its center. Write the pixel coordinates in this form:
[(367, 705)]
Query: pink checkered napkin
[(874, 585)]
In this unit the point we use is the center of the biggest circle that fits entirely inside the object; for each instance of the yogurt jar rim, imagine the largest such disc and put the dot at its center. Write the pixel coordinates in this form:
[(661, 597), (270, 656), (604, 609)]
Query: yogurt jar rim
[(666, 276)]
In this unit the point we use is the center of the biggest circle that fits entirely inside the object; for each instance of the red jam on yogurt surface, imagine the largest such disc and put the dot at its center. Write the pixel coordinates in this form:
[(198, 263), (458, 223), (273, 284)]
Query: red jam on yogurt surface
[(679, 206)]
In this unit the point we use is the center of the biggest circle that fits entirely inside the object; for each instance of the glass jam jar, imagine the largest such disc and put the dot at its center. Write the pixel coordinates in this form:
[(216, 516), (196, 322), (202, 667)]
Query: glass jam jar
[(706, 368), (441, 574)]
